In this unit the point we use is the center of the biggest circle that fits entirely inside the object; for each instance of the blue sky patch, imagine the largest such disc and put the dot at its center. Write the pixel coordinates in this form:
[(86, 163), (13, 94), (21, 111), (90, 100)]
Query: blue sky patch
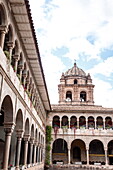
[(106, 53), (91, 39)]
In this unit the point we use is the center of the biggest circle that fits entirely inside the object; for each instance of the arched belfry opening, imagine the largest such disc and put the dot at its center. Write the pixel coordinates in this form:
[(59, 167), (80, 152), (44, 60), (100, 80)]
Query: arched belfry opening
[(83, 96), (68, 96), (75, 81)]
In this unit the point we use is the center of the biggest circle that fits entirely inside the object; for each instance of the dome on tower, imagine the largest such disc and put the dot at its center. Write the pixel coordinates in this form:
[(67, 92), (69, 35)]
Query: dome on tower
[(75, 71)]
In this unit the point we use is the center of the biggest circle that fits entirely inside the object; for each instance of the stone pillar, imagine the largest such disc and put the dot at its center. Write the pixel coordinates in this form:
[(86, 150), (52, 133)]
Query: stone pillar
[(19, 139), (16, 57), (40, 154), (95, 123), (104, 126), (26, 139), (106, 158), (3, 30), (8, 132), (10, 46), (69, 123), (60, 122), (34, 158), (69, 155), (77, 123), (31, 150), (87, 152), (86, 123)]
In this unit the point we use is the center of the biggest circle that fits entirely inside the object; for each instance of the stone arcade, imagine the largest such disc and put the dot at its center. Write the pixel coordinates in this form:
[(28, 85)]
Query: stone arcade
[(82, 132)]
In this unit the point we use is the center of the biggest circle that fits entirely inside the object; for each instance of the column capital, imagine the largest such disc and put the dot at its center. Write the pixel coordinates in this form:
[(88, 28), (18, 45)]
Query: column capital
[(19, 133), (26, 137), (9, 127), (3, 28), (10, 44), (32, 140), (16, 56)]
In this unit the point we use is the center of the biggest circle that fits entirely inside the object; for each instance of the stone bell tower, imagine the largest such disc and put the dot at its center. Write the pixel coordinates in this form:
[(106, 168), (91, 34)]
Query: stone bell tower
[(76, 87)]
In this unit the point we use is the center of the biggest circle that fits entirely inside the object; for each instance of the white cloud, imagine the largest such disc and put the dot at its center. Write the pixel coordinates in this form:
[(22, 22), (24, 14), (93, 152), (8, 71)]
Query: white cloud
[(105, 68), (103, 93), (69, 23)]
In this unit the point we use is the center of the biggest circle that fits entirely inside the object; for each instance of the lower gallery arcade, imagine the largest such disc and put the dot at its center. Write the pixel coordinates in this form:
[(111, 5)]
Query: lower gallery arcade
[(79, 152), (21, 139)]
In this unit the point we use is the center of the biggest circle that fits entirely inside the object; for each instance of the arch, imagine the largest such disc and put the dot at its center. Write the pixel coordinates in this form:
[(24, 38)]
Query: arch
[(108, 122), (19, 120), (96, 152), (7, 108), (59, 151), (64, 121), (3, 15), (110, 152), (39, 136), (73, 122), (32, 131), (83, 96), (56, 122), (27, 129), (78, 151), (36, 135), (82, 122), (68, 96), (75, 81), (99, 122), (91, 122)]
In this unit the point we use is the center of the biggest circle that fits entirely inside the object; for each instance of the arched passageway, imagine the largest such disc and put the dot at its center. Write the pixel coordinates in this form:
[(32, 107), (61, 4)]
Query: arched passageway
[(110, 152), (96, 152), (78, 151), (60, 151), (5, 117)]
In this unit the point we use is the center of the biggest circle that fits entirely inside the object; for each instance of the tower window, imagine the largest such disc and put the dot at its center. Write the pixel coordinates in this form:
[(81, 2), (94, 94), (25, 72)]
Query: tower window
[(83, 96), (75, 81), (68, 96)]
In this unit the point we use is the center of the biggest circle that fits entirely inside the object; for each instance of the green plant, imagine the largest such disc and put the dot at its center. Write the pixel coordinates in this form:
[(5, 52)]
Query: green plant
[(7, 54), (48, 143)]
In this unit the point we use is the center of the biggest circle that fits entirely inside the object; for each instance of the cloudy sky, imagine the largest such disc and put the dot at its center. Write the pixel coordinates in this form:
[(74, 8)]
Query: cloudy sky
[(76, 29)]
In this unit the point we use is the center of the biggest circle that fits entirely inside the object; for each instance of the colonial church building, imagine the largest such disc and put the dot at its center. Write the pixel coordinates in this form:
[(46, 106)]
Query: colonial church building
[(82, 133)]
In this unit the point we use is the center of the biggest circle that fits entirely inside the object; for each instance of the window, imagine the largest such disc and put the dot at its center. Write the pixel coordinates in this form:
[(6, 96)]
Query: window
[(75, 81), (83, 96), (68, 96)]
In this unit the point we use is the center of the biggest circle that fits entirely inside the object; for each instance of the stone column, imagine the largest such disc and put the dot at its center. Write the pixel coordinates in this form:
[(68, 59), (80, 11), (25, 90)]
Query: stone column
[(60, 122), (19, 139), (106, 158), (31, 150), (34, 158), (104, 124), (16, 57), (8, 132), (40, 154), (95, 123), (77, 123), (10, 46), (69, 123), (86, 123), (69, 154), (26, 139), (87, 152), (3, 30)]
